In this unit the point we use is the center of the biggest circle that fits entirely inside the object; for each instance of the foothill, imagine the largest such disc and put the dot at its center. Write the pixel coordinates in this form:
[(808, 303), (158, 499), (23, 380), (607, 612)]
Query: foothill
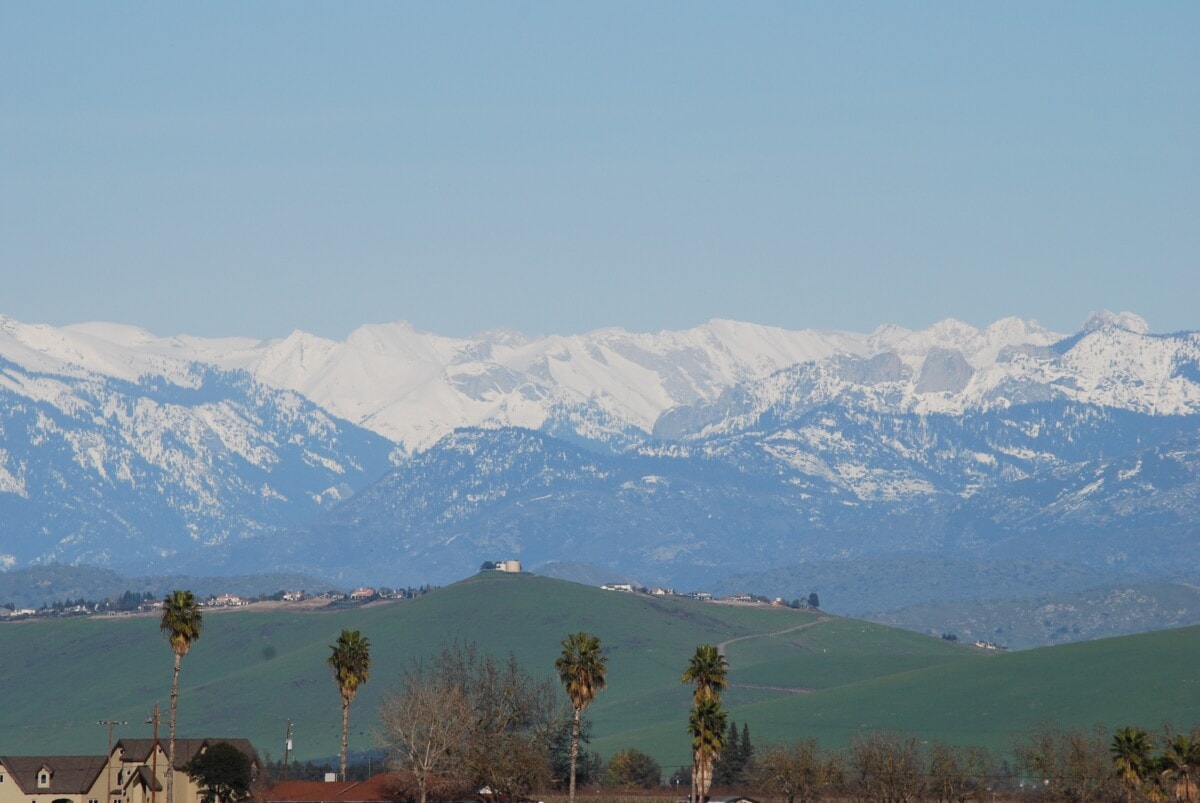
[(463, 721)]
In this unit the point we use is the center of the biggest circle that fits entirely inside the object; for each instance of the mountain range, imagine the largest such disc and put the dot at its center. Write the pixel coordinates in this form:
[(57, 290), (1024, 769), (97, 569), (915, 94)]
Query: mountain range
[(727, 453)]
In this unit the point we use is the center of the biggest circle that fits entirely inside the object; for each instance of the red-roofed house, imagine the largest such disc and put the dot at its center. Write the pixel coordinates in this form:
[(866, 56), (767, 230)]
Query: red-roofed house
[(376, 789)]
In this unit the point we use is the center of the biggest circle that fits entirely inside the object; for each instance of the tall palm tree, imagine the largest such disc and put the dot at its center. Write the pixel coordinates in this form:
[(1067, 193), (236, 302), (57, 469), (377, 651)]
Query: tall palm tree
[(581, 668), (707, 726), (1130, 750), (350, 660), (1180, 757), (181, 624), (709, 671)]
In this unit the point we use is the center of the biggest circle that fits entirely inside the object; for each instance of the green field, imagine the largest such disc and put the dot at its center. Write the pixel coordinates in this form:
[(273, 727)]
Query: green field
[(793, 673)]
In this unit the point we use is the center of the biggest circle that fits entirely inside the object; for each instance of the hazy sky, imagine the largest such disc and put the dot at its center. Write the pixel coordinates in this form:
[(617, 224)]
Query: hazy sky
[(254, 168)]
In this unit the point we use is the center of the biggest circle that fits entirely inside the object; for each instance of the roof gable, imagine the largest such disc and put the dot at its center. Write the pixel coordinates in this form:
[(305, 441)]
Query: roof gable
[(137, 751), (69, 775)]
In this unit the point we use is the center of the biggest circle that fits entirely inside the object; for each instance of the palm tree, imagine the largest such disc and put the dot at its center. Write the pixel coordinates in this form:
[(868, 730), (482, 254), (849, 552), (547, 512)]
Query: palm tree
[(350, 660), (1181, 754), (181, 624), (581, 670), (1130, 750), (707, 726), (709, 670)]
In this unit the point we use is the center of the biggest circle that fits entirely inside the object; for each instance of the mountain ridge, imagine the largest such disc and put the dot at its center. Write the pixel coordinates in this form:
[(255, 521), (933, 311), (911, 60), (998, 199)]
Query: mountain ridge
[(679, 458)]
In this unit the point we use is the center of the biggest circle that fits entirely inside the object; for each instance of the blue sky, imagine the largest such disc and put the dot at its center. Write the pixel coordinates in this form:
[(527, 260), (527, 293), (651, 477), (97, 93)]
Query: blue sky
[(254, 168)]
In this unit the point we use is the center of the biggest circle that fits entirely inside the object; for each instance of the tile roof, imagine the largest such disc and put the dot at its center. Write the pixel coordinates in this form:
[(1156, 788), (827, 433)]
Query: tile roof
[(376, 789), (69, 775)]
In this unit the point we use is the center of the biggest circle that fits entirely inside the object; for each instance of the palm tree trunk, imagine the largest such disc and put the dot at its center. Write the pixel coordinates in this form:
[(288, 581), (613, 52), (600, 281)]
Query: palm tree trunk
[(574, 752), (171, 741), (345, 733)]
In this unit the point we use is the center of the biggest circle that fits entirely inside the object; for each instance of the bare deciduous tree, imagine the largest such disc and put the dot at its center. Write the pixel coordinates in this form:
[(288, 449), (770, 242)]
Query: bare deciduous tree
[(958, 774), (800, 772), (508, 722), (1069, 765), (424, 727), (886, 767)]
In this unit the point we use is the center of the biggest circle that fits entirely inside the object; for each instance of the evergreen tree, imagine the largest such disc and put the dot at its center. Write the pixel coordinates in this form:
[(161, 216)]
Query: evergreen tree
[(727, 769), (746, 749)]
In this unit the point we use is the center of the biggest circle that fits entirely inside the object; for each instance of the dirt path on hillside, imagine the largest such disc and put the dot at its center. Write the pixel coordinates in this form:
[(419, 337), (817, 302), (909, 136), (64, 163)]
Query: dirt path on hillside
[(786, 689)]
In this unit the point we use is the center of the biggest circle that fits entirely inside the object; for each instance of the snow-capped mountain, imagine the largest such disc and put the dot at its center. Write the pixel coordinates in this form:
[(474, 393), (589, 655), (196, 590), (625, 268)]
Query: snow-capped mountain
[(414, 387), (672, 456), (122, 472), (614, 386)]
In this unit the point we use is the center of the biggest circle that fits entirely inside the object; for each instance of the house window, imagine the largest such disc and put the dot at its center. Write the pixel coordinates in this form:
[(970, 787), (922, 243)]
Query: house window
[(44, 779)]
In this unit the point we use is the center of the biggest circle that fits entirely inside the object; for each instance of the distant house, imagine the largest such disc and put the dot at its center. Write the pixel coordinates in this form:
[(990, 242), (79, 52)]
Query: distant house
[(362, 593), (739, 598), (293, 596), (626, 587), (703, 596), (228, 601), (511, 566), (662, 592), (17, 612)]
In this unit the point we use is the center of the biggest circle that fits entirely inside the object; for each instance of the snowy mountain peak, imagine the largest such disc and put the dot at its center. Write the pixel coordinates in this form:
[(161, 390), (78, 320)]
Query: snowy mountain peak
[(413, 387), (1103, 319)]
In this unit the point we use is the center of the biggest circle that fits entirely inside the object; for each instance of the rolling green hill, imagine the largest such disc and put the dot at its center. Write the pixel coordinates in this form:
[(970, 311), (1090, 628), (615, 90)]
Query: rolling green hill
[(793, 673)]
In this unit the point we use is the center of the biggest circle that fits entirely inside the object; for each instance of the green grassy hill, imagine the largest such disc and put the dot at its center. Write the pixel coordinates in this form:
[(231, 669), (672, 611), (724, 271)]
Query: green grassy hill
[(793, 673)]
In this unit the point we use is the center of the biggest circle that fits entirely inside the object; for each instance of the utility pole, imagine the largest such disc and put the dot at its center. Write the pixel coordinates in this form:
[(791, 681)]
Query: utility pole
[(287, 749), (111, 723), (154, 756)]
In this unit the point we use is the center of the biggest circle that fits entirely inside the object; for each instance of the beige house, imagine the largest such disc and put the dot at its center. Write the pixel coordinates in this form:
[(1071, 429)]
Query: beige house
[(135, 772), (139, 769), (52, 779)]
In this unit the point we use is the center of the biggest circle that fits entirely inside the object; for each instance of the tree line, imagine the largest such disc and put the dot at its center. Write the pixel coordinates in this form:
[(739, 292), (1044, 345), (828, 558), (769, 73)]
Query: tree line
[(1052, 764)]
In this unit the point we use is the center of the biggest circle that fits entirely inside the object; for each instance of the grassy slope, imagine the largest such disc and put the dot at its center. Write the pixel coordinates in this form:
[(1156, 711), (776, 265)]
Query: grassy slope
[(252, 671)]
